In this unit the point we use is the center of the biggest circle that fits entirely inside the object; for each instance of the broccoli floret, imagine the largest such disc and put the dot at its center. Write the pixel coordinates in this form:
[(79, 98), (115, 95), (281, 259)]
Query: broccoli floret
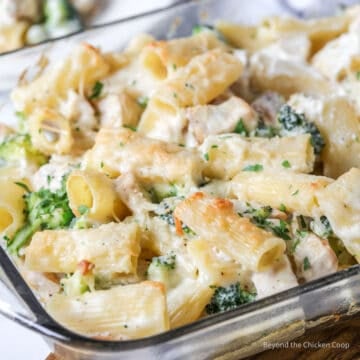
[(166, 261), (77, 283), (228, 298), (43, 210), (260, 217), (162, 269), (159, 192), (59, 11), (61, 19), (294, 123), (17, 148)]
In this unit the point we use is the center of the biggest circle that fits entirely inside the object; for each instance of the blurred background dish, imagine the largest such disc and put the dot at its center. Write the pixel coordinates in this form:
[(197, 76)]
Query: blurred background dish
[(29, 22)]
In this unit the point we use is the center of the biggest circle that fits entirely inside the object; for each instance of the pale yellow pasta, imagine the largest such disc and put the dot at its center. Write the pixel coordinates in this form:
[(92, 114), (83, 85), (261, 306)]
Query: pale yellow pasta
[(12, 36), (112, 248), (298, 192), (334, 60), (213, 219), (187, 301), (251, 38), (228, 154), (11, 206), (164, 57), (150, 160), (50, 132), (319, 31), (123, 312), (338, 122), (340, 202), (79, 72), (254, 38), (279, 277), (95, 193), (204, 78), (214, 267)]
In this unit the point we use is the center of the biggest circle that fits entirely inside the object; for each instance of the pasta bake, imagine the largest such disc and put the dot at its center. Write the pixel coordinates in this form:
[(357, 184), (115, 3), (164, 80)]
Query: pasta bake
[(147, 188)]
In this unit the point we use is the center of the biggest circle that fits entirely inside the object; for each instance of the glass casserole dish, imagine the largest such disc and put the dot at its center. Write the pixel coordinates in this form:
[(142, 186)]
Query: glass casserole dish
[(237, 333)]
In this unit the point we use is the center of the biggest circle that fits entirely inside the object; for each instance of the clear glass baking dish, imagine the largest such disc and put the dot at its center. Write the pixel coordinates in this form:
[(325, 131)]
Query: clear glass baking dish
[(232, 335)]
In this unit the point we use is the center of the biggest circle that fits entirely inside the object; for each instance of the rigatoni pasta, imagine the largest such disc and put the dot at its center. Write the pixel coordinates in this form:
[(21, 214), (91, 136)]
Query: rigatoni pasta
[(227, 155), (112, 248), (298, 192), (181, 178), (213, 218), (110, 314)]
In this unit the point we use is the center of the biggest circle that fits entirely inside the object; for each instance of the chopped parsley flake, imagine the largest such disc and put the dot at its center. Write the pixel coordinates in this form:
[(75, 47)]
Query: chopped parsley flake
[(167, 261), (286, 164), (214, 146), (240, 128), (358, 75), (306, 264), (282, 208), (96, 90), (206, 156), (254, 168), (295, 193), (133, 128)]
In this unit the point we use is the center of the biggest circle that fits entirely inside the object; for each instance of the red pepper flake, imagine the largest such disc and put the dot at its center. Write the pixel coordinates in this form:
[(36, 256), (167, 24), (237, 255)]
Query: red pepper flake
[(178, 226), (85, 267)]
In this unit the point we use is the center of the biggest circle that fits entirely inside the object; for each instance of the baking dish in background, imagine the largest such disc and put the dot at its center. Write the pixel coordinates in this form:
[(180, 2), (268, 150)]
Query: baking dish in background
[(231, 335)]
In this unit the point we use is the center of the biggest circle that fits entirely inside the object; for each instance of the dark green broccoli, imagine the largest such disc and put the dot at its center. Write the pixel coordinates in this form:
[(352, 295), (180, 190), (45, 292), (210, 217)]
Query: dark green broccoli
[(260, 217), (77, 283), (43, 210), (294, 123), (167, 261), (228, 298), (18, 148)]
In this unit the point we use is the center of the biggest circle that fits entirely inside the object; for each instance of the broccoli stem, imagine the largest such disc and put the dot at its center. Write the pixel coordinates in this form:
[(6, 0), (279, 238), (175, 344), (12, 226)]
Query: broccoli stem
[(23, 236)]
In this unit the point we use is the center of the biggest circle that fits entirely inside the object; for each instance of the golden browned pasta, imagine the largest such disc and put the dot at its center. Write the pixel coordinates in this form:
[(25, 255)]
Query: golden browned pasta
[(204, 78), (213, 219)]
